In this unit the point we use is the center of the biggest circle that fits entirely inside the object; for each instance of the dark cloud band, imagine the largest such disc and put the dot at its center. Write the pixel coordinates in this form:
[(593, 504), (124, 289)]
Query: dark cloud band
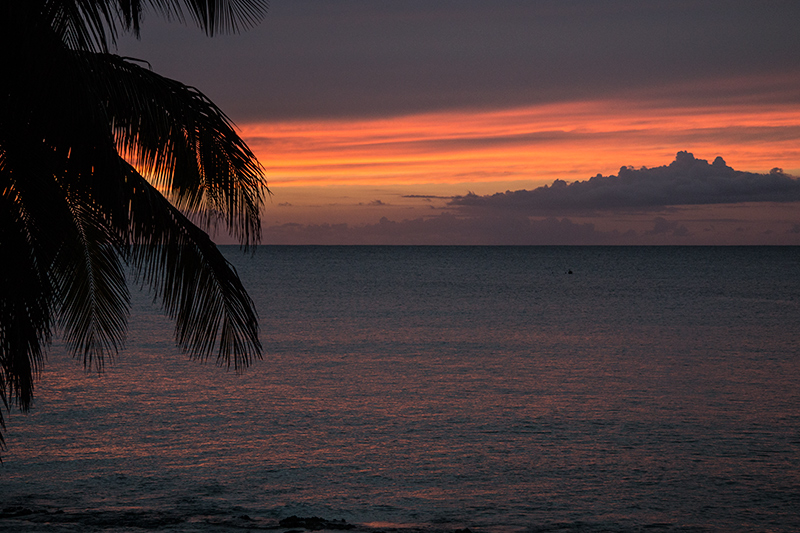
[(686, 181)]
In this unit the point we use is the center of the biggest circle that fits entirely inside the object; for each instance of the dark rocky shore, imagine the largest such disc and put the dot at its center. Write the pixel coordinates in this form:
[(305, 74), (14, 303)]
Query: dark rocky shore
[(38, 518)]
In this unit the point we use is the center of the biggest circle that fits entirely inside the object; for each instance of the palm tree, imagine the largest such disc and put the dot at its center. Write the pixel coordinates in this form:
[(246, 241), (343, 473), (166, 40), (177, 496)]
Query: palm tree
[(79, 127)]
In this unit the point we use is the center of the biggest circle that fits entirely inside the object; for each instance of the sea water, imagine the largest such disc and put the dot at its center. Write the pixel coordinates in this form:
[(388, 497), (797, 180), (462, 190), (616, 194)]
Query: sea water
[(492, 388)]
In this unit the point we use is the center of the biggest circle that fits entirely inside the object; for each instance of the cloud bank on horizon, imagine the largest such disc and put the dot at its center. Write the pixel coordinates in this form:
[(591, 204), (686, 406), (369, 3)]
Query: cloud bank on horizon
[(685, 181), (689, 201)]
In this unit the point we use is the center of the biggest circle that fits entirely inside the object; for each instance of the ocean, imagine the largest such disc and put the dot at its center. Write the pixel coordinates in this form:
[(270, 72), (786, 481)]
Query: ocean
[(499, 389)]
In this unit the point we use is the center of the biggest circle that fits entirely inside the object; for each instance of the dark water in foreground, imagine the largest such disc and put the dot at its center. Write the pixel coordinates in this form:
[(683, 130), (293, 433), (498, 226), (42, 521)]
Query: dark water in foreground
[(654, 389)]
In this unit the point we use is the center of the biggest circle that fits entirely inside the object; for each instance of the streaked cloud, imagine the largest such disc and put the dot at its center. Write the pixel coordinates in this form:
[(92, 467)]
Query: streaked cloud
[(568, 140)]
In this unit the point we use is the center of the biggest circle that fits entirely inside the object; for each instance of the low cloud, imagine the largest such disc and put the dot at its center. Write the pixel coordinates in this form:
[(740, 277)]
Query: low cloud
[(444, 229), (662, 226), (489, 229), (427, 196), (685, 181)]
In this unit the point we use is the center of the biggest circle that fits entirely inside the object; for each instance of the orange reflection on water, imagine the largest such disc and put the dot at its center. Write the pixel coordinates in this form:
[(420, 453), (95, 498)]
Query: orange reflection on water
[(541, 143)]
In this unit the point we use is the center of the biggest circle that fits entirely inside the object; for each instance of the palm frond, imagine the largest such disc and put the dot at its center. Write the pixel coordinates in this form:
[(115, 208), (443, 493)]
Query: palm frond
[(94, 25), (78, 24), (91, 286), (73, 211), (26, 293), (190, 147), (213, 16), (48, 196), (81, 24), (198, 287)]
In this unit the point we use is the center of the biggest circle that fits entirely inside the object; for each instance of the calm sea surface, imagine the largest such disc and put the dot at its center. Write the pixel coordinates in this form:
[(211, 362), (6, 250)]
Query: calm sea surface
[(652, 389)]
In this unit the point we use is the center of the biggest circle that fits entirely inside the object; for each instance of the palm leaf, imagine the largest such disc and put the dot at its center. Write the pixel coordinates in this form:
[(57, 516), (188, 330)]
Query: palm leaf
[(176, 134), (91, 286), (197, 286), (72, 211), (26, 293), (25, 301), (81, 24), (94, 25), (213, 16)]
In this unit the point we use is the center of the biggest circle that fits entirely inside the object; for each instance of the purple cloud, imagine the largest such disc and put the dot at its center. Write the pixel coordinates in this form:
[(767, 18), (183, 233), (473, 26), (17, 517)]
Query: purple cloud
[(444, 229), (663, 226), (685, 181)]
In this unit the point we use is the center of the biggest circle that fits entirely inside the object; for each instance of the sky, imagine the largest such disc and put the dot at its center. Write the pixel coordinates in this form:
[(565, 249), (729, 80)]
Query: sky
[(511, 121)]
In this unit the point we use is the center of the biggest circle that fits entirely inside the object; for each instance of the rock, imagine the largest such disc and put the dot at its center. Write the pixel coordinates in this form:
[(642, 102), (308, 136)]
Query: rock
[(314, 523), (12, 512)]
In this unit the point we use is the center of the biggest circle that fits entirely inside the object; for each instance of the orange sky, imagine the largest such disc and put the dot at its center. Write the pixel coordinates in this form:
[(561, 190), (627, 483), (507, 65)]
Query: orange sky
[(531, 145), (357, 110), (356, 171)]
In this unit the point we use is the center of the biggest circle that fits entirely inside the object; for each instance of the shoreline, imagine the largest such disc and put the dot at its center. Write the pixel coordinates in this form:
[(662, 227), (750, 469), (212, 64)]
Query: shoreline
[(37, 518)]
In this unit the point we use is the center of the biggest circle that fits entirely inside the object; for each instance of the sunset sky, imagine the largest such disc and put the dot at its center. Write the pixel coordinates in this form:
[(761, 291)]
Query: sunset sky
[(407, 121)]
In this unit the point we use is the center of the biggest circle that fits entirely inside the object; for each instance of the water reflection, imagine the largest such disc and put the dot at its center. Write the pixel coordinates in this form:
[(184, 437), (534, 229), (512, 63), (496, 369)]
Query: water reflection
[(439, 398)]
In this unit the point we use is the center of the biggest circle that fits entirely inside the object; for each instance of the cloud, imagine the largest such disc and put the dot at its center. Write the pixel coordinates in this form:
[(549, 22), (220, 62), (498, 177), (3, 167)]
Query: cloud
[(663, 226), (427, 196), (445, 229), (505, 230), (685, 181)]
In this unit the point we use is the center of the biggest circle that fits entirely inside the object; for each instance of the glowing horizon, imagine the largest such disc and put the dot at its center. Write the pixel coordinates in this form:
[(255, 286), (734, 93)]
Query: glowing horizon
[(536, 144)]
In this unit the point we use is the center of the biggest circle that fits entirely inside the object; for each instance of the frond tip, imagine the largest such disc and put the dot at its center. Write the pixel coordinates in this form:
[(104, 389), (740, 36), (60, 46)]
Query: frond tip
[(92, 289), (174, 133), (198, 287), (212, 16)]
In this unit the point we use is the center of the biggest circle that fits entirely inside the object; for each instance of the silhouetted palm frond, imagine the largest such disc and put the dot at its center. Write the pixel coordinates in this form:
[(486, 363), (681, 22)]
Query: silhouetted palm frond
[(26, 292), (198, 287), (213, 16), (91, 287), (175, 134), (74, 211)]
